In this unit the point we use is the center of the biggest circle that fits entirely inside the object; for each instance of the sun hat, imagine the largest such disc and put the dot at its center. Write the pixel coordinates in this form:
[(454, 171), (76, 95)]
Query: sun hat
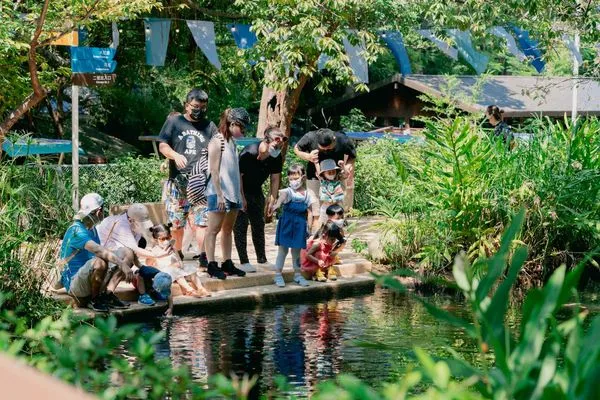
[(162, 284), (139, 213), (89, 203), (328, 165)]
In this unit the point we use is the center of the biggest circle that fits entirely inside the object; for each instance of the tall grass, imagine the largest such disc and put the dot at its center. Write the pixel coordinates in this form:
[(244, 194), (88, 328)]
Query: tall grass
[(459, 190)]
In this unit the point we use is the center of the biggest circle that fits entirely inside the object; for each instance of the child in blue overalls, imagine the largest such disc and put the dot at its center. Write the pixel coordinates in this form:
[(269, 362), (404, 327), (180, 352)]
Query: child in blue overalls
[(293, 225)]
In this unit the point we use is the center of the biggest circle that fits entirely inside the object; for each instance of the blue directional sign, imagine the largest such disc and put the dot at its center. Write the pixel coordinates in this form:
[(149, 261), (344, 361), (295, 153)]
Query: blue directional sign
[(93, 60)]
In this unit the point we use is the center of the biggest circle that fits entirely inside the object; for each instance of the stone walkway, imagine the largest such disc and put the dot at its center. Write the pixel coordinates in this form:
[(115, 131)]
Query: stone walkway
[(258, 287)]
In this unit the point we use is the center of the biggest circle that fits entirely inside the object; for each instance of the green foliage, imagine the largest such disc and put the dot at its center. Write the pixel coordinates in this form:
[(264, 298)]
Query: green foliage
[(17, 28), (356, 121), (293, 34), (546, 358), (92, 357), (128, 180), (458, 190)]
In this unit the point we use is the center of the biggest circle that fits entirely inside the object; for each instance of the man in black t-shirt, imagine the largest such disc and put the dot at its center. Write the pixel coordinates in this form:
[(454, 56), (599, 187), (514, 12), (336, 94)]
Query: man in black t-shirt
[(184, 140), (319, 145), (258, 161)]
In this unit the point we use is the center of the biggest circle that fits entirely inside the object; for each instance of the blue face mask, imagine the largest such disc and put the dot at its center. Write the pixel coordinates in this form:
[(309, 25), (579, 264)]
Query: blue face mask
[(274, 152)]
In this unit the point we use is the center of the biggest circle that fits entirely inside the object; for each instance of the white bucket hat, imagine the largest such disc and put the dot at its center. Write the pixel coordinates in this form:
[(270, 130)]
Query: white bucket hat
[(89, 203)]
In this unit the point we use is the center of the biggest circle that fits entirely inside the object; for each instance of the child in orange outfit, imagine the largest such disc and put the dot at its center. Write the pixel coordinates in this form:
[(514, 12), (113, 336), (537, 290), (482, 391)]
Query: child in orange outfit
[(318, 257)]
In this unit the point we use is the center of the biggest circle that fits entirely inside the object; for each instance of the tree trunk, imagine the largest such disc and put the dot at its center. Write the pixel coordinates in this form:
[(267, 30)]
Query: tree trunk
[(278, 108), (39, 93), (55, 117)]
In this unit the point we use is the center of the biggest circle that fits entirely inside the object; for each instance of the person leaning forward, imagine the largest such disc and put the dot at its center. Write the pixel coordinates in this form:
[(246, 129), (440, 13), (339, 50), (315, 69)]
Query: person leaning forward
[(184, 140), (92, 272), (322, 144)]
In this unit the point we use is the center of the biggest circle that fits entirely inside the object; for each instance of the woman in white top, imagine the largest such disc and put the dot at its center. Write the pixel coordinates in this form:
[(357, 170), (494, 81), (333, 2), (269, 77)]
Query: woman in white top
[(224, 194)]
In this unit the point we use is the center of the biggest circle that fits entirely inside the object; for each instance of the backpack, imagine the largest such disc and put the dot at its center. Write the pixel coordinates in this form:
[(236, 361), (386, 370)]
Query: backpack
[(198, 177)]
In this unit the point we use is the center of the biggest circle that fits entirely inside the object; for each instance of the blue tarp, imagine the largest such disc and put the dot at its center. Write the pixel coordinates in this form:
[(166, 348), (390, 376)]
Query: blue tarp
[(31, 147)]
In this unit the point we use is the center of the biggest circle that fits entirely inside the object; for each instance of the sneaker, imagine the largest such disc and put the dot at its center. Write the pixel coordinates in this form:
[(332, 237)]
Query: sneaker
[(279, 280), (202, 260), (230, 269), (114, 302), (146, 300), (266, 265), (99, 304), (320, 276), (213, 270), (299, 279), (331, 274), (247, 267), (157, 296)]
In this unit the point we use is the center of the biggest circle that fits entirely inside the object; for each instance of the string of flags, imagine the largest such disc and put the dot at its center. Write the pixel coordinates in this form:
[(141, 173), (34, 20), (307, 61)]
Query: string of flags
[(157, 30)]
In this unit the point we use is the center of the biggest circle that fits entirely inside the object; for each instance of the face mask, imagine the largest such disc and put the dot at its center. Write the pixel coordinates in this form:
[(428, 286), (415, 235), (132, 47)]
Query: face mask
[(339, 223), (96, 217), (295, 183), (198, 113), (274, 152)]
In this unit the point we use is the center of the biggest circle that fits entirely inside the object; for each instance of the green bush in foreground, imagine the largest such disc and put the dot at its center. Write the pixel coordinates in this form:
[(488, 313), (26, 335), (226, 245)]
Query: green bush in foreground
[(546, 358)]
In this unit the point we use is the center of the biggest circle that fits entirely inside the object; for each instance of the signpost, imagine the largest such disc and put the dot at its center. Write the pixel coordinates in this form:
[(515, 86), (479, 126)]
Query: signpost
[(91, 66), (93, 79)]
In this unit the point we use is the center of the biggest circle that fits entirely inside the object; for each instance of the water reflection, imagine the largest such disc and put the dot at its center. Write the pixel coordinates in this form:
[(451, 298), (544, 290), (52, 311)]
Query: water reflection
[(309, 343)]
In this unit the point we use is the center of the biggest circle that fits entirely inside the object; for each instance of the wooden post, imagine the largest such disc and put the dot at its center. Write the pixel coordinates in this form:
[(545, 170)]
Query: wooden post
[(75, 144)]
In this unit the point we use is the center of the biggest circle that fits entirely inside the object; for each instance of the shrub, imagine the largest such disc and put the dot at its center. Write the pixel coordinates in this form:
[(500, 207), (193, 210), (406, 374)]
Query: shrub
[(91, 357), (459, 189), (128, 180)]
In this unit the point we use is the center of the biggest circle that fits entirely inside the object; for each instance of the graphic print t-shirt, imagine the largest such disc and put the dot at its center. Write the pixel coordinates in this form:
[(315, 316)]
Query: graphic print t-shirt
[(187, 138)]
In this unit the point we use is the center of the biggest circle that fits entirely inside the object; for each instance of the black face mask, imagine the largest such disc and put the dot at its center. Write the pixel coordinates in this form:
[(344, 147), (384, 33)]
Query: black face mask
[(198, 113)]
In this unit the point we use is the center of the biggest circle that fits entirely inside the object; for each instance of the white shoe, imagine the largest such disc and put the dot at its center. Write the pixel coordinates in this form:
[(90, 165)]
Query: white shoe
[(266, 265), (279, 280), (247, 267), (299, 279)]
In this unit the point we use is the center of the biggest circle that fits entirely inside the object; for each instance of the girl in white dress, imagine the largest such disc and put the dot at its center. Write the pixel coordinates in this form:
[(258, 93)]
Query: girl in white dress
[(185, 276)]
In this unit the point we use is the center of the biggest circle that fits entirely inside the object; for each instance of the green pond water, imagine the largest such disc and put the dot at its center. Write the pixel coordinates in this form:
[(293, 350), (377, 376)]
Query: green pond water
[(371, 336)]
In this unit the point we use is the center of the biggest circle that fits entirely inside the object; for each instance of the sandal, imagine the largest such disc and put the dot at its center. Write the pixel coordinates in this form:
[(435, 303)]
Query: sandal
[(201, 293)]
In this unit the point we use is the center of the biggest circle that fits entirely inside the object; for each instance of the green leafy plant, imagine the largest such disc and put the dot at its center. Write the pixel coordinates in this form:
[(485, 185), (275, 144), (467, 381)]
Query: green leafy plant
[(458, 190), (91, 357), (547, 357), (356, 121)]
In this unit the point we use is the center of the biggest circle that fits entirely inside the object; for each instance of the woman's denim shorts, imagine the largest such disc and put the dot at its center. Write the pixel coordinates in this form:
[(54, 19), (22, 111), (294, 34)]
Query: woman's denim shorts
[(214, 207)]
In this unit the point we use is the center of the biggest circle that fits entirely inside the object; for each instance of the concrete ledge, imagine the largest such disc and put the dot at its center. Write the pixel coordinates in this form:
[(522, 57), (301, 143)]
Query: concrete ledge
[(263, 277), (236, 299)]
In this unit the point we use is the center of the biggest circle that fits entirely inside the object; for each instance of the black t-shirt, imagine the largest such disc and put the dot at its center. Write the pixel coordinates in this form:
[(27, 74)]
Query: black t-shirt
[(344, 146), (254, 171), (187, 138)]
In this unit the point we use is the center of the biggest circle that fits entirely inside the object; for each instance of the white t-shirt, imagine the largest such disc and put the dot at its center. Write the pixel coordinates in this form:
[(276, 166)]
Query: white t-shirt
[(121, 235)]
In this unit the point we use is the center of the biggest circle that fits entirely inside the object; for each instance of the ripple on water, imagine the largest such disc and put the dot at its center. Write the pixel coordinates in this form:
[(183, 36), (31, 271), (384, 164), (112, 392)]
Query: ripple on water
[(309, 343)]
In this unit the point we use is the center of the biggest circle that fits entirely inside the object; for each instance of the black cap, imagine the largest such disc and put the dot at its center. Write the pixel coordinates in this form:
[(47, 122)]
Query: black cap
[(239, 116)]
